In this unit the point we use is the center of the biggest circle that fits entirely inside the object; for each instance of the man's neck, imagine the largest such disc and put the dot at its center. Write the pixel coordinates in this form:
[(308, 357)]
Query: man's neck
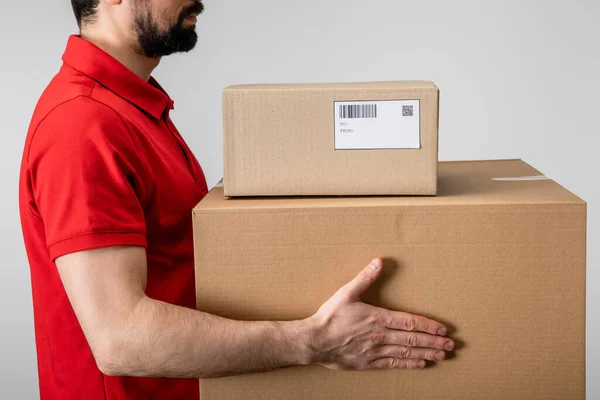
[(123, 51)]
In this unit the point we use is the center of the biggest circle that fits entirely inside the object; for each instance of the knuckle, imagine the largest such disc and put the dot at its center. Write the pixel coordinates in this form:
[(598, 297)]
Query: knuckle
[(377, 338), (394, 363), (410, 324), (413, 340), (379, 320), (405, 352)]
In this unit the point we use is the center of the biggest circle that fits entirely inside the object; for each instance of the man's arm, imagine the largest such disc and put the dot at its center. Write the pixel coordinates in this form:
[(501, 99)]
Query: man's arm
[(133, 335)]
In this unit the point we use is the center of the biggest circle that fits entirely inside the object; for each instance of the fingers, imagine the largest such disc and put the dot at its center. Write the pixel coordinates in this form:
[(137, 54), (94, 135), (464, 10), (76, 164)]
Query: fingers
[(364, 280), (396, 363), (417, 339), (404, 357), (414, 323), (406, 352)]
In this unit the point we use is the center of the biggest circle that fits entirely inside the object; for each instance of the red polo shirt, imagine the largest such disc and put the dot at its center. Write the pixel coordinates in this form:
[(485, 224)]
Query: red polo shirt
[(104, 165)]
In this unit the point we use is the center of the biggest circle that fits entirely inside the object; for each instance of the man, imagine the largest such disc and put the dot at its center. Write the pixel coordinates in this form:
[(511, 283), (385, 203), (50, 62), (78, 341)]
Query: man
[(106, 188)]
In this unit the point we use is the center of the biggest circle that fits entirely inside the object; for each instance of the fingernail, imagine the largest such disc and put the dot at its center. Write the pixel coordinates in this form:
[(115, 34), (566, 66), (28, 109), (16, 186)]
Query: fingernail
[(375, 264), (421, 364), (442, 331), (440, 355), (449, 346)]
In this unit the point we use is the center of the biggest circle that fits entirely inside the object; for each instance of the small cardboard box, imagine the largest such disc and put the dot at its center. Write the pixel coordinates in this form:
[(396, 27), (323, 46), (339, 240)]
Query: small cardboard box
[(375, 138)]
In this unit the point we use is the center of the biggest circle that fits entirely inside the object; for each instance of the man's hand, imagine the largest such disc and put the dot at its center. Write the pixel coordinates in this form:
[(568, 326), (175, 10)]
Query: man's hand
[(348, 334)]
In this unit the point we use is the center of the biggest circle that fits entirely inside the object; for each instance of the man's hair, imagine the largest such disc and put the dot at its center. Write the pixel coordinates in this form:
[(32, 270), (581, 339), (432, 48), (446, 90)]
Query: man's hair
[(84, 10)]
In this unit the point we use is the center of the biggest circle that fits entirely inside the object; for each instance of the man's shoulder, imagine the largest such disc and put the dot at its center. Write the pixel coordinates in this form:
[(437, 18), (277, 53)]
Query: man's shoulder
[(73, 96), (70, 115)]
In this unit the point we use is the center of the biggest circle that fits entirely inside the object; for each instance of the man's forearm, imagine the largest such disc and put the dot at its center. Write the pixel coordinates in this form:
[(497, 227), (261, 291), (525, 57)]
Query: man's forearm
[(163, 340)]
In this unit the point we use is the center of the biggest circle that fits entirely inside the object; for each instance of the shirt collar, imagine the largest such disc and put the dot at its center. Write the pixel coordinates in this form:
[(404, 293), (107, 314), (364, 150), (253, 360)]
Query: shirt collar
[(94, 62)]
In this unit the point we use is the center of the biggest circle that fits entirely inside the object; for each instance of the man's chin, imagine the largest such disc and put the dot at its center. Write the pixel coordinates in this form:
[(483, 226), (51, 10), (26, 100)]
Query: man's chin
[(187, 45)]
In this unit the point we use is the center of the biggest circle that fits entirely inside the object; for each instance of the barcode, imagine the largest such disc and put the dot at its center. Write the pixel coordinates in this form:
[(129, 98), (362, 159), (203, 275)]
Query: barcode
[(358, 111), (407, 111)]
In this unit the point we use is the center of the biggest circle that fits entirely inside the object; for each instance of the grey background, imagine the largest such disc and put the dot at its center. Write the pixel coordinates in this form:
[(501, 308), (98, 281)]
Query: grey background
[(518, 79)]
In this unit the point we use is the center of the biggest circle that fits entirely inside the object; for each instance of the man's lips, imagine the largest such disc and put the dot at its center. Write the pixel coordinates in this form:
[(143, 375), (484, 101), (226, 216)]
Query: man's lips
[(192, 18)]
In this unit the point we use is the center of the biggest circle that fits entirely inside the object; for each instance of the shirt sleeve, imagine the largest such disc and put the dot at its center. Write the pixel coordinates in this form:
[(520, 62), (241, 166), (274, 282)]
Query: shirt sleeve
[(87, 179)]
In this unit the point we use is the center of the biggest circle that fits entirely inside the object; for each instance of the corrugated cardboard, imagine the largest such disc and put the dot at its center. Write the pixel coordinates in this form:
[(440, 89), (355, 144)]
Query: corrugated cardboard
[(279, 140), (501, 261)]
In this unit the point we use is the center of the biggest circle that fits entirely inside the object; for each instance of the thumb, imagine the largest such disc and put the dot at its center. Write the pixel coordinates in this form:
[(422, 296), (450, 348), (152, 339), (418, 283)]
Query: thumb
[(363, 281)]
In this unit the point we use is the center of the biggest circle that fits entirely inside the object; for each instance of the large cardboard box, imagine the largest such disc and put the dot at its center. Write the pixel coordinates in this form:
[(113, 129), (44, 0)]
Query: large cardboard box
[(502, 261), (371, 138)]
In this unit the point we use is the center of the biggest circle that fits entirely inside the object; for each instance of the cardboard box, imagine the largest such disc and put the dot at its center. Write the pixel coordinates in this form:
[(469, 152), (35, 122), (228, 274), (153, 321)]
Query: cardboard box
[(376, 138), (501, 261)]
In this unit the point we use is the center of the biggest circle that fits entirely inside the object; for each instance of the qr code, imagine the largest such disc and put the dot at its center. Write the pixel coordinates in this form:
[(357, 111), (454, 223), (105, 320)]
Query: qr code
[(407, 111)]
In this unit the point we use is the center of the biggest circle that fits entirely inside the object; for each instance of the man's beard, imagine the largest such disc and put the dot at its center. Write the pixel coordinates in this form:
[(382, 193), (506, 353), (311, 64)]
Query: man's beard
[(154, 42)]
